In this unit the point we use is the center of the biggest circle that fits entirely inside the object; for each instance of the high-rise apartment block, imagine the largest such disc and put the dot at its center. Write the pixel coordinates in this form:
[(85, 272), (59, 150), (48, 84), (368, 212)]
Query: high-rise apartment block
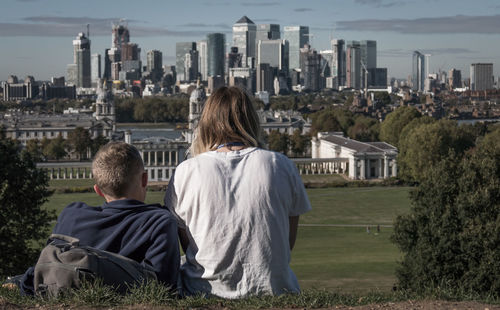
[(353, 65), (454, 79), (481, 76), (310, 68), (201, 47), (418, 71), (96, 69), (79, 73), (155, 64), (297, 37), (338, 65), (274, 53), (181, 49), (215, 54), (244, 33)]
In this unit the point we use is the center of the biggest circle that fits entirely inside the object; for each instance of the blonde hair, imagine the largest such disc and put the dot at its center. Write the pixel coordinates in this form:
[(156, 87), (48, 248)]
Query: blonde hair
[(114, 167), (228, 116)]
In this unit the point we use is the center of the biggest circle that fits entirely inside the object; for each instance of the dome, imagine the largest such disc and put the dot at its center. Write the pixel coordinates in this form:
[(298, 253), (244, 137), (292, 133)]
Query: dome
[(198, 95), (103, 94)]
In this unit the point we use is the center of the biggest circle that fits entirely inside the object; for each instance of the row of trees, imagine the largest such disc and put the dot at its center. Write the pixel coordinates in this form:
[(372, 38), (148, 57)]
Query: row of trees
[(355, 126), (451, 237), (79, 141), (295, 145), (152, 109)]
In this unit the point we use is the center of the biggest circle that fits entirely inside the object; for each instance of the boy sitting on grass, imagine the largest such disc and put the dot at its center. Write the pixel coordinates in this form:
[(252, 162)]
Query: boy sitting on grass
[(124, 224)]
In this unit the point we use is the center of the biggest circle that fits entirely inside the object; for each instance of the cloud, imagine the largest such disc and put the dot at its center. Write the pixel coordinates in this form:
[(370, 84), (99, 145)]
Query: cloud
[(404, 53), (266, 20), (261, 3), (379, 3), (61, 30), (431, 25), (201, 25), (303, 9)]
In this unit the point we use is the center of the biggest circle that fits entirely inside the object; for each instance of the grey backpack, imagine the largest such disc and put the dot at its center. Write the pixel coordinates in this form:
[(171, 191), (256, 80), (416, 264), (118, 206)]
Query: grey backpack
[(64, 264)]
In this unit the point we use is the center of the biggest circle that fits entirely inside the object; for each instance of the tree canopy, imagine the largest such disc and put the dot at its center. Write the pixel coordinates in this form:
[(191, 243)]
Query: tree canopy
[(23, 221), (450, 238), (394, 123)]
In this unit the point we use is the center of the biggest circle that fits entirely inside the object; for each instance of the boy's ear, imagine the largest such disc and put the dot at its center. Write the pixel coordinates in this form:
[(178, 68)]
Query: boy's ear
[(144, 179), (98, 191)]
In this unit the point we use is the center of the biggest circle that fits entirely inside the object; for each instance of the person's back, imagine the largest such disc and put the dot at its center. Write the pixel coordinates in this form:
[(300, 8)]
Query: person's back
[(237, 207), (124, 224)]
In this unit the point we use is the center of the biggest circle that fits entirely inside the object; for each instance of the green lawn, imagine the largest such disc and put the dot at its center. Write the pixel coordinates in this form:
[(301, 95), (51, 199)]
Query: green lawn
[(329, 256)]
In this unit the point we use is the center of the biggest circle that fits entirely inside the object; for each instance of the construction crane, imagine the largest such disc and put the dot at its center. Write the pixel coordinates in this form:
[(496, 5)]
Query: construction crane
[(366, 79)]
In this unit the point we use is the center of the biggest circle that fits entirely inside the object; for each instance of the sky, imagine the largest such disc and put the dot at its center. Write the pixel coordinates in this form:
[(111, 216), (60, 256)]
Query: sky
[(36, 35)]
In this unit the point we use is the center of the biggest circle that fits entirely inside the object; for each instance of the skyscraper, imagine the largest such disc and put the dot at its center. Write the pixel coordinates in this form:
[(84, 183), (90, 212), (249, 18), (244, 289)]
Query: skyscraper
[(181, 49), (338, 62), (368, 52), (297, 37), (481, 76), (274, 53), (201, 47), (215, 54), (81, 60), (96, 69), (244, 33), (418, 70), (454, 79), (353, 65), (155, 64), (310, 68), (267, 32), (191, 65)]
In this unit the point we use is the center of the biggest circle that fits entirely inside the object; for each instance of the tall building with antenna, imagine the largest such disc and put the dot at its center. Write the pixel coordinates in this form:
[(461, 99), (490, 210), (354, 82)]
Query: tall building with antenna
[(79, 73)]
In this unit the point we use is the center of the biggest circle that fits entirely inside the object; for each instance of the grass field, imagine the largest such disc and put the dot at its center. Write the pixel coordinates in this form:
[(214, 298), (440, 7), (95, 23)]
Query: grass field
[(336, 253)]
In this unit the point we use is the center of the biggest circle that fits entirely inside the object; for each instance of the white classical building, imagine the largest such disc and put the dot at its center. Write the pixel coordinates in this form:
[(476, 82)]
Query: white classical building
[(362, 160)]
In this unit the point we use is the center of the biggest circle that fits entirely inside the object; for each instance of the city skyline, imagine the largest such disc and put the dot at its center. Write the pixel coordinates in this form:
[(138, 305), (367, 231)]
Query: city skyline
[(37, 34)]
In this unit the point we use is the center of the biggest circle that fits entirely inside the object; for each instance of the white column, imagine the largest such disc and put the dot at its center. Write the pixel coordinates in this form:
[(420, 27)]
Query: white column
[(379, 168), (352, 168), (386, 168), (149, 158), (156, 158), (368, 168), (394, 168), (170, 158), (362, 174), (176, 157), (163, 162)]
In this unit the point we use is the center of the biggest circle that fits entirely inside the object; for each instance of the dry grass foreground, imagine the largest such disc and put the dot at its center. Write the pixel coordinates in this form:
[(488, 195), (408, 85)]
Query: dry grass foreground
[(423, 304)]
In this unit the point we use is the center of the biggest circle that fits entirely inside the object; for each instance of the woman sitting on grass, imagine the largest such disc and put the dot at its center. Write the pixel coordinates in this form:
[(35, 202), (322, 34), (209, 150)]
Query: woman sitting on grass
[(237, 205)]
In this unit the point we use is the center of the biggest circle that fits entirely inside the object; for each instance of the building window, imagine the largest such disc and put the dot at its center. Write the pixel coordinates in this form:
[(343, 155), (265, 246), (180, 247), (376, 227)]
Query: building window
[(160, 174)]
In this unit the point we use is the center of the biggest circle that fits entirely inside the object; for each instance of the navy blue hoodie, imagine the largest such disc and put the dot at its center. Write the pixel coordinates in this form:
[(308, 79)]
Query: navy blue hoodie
[(128, 227)]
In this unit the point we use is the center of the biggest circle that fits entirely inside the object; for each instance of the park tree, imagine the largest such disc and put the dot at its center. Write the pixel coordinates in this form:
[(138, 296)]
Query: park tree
[(55, 148), (427, 144), (278, 141), (23, 221), (324, 121), (34, 148), (395, 122), (450, 239), (79, 140), (364, 129), (299, 143)]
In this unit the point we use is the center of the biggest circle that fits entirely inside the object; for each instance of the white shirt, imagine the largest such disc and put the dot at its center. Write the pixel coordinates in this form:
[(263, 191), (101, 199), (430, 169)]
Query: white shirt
[(235, 207)]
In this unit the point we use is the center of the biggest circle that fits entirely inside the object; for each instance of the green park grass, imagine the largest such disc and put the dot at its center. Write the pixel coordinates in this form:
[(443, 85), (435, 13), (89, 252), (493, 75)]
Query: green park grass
[(336, 253)]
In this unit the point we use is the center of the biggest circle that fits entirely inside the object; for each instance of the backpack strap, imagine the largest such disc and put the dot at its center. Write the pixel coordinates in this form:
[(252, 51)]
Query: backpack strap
[(70, 240)]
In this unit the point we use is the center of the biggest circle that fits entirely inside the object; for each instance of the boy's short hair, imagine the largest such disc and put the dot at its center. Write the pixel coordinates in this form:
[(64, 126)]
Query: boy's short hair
[(114, 166)]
